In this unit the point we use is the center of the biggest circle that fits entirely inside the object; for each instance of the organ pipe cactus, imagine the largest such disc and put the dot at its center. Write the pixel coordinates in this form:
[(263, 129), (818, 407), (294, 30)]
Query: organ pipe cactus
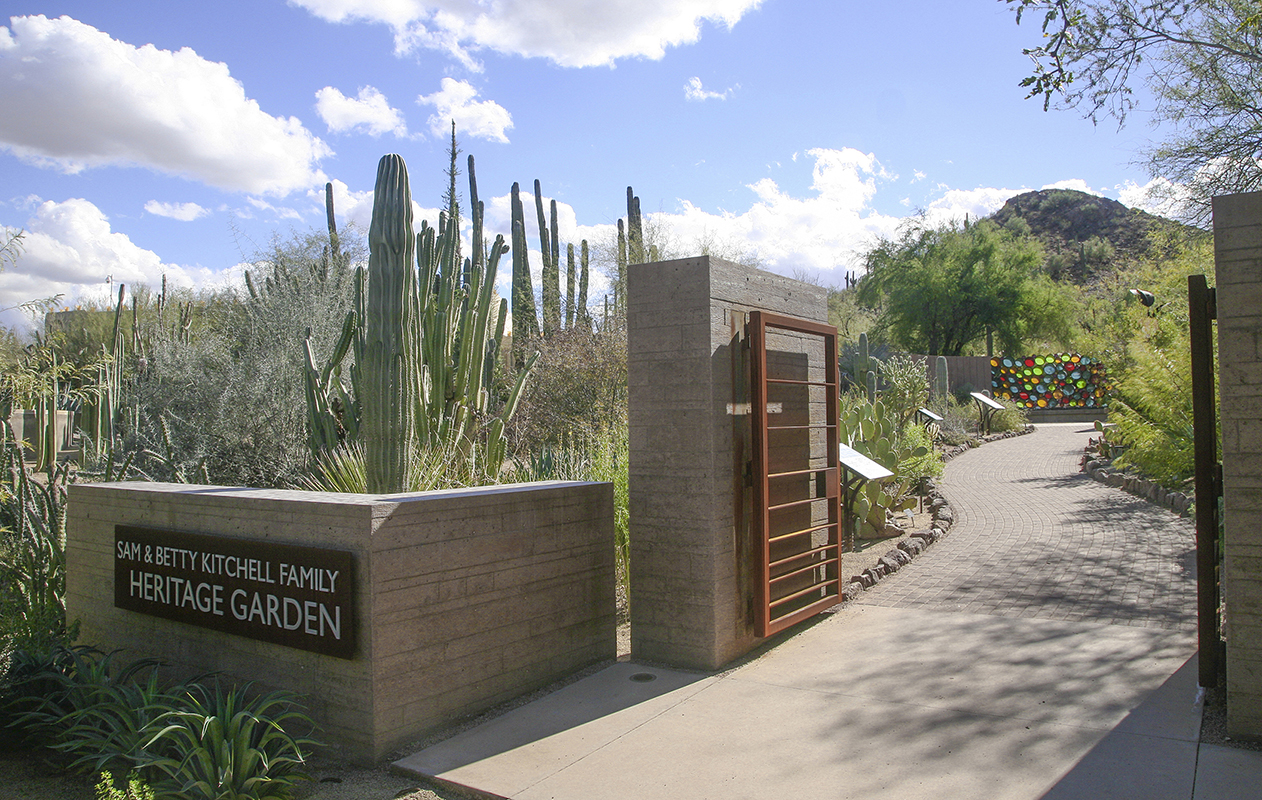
[(551, 316), (443, 309)]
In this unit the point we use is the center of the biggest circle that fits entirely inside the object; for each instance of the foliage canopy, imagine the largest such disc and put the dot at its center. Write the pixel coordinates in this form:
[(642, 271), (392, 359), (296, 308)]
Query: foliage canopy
[(940, 289)]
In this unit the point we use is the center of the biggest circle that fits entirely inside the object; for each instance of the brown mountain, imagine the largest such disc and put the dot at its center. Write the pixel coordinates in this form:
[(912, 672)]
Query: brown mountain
[(1083, 235)]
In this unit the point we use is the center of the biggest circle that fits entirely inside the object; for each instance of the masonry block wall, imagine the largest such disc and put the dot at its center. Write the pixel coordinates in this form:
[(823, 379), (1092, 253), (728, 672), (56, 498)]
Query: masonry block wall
[(1238, 258), (691, 599), (466, 598)]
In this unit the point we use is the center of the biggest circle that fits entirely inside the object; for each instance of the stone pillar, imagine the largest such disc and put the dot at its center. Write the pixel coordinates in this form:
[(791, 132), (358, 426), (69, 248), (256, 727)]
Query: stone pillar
[(1238, 258), (691, 600)]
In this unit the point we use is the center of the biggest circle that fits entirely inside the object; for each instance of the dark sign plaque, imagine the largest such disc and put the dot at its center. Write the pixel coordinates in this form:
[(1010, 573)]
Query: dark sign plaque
[(292, 595)]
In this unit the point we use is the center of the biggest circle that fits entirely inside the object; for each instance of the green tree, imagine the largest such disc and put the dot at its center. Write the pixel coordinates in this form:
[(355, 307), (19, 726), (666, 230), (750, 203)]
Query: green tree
[(941, 289), (1200, 59)]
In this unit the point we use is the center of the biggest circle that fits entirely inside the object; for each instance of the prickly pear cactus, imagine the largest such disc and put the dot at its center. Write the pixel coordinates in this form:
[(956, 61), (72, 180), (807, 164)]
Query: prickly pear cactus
[(872, 429)]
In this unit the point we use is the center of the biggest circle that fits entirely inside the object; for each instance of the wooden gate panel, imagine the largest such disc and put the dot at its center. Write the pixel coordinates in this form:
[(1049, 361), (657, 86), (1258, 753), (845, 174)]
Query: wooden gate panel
[(796, 515)]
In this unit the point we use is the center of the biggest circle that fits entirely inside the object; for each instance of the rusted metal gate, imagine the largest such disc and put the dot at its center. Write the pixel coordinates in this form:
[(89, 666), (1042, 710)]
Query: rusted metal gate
[(796, 513), (1202, 311)]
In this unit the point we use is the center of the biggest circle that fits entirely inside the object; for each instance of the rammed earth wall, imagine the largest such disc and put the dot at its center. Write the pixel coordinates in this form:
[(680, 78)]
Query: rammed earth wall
[(458, 599)]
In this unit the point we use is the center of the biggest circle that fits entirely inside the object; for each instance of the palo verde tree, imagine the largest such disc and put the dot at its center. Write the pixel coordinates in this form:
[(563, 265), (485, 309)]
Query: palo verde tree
[(940, 289), (1199, 58)]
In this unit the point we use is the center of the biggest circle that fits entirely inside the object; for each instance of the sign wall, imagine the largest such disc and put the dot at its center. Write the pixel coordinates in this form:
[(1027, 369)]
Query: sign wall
[(292, 595)]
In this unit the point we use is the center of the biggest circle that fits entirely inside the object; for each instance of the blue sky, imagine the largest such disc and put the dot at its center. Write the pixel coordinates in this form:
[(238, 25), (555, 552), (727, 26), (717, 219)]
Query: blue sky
[(148, 138)]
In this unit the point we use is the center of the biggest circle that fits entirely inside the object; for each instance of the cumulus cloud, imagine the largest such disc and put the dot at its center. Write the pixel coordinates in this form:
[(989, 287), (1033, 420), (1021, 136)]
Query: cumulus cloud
[(695, 92), (1077, 184), (811, 235), (75, 98), (369, 112), (71, 250), (571, 33), (954, 204), (456, 100), (184, 212), (1159, 196)]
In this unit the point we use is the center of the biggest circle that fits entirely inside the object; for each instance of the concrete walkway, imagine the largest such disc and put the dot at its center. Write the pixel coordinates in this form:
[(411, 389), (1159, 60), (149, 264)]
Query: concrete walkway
[(1044, 649)]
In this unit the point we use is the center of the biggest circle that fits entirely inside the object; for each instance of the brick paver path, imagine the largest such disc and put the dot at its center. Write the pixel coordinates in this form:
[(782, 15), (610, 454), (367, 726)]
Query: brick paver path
[(1034, 537)]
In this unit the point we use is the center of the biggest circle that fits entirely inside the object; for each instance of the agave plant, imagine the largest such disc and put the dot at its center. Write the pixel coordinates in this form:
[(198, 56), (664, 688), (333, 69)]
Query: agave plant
[(230, 745)]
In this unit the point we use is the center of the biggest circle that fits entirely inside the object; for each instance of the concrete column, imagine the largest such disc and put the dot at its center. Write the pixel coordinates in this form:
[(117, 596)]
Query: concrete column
[(1238, 257), (691, 600)]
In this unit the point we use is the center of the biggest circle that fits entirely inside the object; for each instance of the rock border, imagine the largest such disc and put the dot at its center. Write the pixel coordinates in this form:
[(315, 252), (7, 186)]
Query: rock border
[(919, 541), (1101, 469)]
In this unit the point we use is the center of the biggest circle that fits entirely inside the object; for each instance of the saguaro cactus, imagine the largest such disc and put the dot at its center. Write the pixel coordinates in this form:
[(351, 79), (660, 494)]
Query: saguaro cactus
[(941, 380), (389, 371)]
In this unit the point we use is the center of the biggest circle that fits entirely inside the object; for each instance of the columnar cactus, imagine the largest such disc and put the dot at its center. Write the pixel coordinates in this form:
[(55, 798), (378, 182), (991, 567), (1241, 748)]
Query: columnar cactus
[(550, 275), (389, 369), (941, 380), (525, 320)]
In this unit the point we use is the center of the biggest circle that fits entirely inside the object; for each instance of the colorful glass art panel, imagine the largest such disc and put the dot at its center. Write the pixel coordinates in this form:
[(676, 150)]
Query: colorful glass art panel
[(1056, 381)]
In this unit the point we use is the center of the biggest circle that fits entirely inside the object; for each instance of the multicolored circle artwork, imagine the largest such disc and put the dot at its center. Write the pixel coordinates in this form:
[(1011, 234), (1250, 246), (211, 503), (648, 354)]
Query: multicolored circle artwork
[(1056, 381)]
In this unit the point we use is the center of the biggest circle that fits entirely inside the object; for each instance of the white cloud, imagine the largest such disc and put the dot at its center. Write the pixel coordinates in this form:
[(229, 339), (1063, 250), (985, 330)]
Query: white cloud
[(1159, 196), (1076, 184), (75, 98), (184, 212), (954, 204), (571, 33), (71, 250), (481, 119), (694, 91), (369, 112), (811, 235), (281, 212)]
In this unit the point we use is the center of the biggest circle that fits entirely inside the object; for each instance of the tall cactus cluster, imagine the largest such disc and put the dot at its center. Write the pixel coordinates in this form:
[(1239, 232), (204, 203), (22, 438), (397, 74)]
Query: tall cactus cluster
[(529, 321), (426, 337), (631, 250)]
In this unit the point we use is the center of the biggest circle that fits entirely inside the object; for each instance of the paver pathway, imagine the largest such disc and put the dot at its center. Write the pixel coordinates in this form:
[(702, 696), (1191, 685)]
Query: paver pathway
[(1036, 538), (1043, 651)]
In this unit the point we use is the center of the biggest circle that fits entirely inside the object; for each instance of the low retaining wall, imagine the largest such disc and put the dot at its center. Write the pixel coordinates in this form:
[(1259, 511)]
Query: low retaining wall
[(403, 613)]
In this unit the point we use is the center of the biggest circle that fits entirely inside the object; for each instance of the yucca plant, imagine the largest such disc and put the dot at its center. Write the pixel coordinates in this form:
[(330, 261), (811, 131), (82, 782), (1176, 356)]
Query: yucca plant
[(54, 691), (114, 729), (229, 745)]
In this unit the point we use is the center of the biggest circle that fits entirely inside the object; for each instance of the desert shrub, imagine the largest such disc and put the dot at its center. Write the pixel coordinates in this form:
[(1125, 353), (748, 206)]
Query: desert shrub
[(960, 419), (223, 402), (1012, 418), (578, 389)]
